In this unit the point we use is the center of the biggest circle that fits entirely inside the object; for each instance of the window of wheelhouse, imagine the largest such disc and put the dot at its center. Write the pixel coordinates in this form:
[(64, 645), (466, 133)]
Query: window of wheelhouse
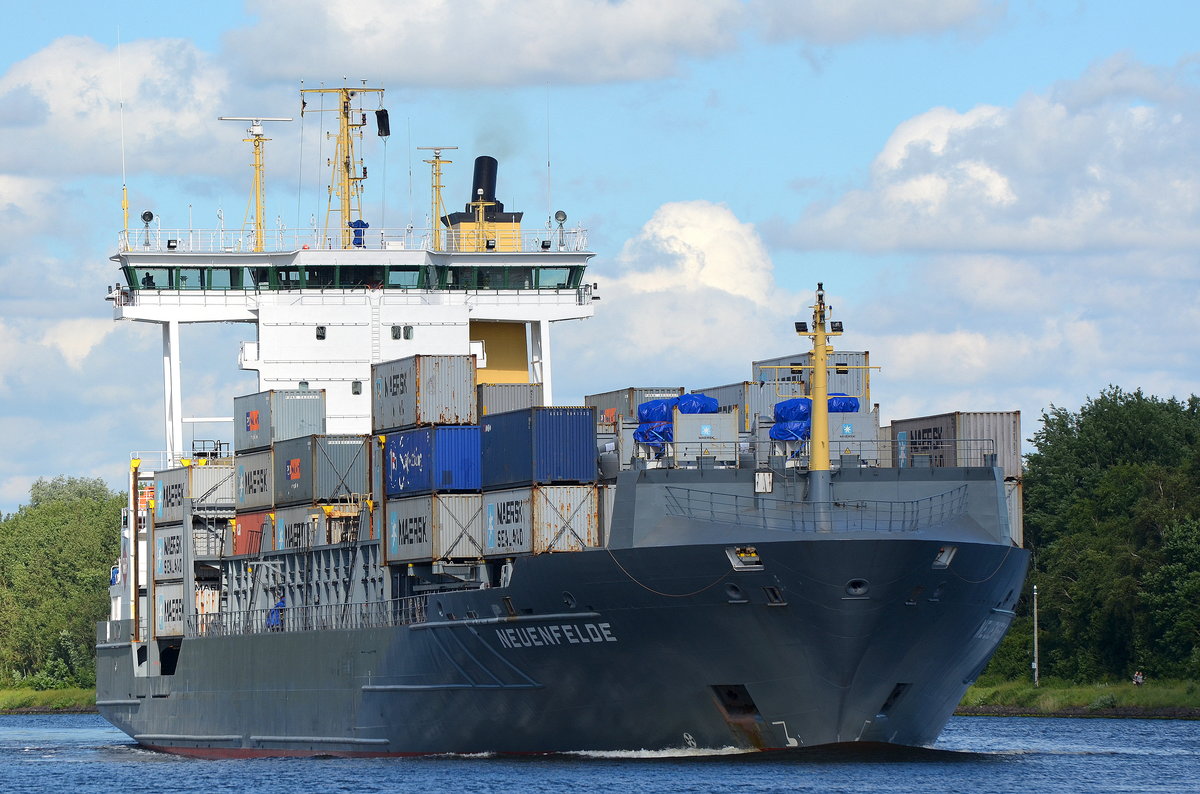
[(316, 277), (191, 278), (355, 276), (404, 278), (149, 277), (287, 278)]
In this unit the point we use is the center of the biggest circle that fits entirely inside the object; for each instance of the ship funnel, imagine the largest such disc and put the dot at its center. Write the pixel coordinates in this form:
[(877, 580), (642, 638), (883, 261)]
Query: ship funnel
[(485, 180)]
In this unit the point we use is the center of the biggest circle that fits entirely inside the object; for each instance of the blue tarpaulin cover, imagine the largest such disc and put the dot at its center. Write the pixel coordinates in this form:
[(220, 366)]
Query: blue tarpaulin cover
[(657, 410), (797, 409), (698, 404), (841, 404), (791, 431), (654, 433)]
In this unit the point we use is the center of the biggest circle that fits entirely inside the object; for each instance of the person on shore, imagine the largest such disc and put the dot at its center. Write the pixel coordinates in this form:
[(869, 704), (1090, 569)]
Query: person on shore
[(1138, 678)]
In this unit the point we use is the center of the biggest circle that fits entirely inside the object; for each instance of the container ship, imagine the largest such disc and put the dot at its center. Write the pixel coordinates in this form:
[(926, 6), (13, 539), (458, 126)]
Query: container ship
[(410, 549)]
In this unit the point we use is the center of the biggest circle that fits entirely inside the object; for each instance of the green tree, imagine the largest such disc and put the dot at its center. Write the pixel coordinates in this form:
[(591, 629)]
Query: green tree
[(55, 557), (1112, 495)]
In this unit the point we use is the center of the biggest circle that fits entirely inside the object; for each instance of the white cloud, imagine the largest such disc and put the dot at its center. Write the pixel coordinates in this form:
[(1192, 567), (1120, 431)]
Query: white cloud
[(825, 23), (1107, 162), (691, 300), (65, 101), (75, 338), (439, 42)]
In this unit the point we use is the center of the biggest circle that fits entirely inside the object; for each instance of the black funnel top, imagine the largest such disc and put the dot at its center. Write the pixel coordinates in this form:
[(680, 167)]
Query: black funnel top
[(485, 180)]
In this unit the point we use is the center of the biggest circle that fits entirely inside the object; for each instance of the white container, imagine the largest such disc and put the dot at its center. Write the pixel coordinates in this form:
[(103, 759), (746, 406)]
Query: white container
[(959, 439), (545, 518), (169, 610), (423, 390), (434, 527), (168, 553), (206, 486), (849, 373)]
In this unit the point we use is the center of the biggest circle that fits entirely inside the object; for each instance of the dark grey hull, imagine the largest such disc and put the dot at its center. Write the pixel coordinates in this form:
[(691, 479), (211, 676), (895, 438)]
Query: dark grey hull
[(643, 648)]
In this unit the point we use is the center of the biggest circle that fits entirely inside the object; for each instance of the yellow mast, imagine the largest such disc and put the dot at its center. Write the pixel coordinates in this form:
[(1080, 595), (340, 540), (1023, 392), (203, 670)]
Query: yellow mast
[(439, 208), (257, 139), (820, 489), (348, 171)]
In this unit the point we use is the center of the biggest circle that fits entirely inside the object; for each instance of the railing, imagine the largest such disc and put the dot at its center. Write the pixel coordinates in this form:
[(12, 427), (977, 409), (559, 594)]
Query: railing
[(840, 516), (240, 241), (318, 617)]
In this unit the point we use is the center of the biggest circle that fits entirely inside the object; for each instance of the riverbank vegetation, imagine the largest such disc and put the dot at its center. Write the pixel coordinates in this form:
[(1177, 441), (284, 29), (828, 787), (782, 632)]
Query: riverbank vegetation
[(1112, 517), (1056, 697), (55, 558)]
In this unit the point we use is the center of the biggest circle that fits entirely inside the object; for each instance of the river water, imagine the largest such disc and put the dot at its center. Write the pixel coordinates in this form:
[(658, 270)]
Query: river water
[(70, 754)]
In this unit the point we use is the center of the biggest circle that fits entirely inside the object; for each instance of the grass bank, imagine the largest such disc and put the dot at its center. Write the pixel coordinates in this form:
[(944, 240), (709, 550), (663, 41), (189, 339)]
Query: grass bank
[(1054, 698), (32, 701)]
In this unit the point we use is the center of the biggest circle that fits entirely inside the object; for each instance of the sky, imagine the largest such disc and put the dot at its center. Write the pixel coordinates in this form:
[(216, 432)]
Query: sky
[(1002, 199)]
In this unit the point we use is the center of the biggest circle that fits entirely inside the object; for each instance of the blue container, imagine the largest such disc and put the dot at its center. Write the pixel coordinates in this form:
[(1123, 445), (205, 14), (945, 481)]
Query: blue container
[(539, 446), (431, 460)]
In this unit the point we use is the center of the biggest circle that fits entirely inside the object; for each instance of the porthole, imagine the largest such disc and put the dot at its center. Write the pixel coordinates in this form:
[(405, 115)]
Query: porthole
[(857, 587)]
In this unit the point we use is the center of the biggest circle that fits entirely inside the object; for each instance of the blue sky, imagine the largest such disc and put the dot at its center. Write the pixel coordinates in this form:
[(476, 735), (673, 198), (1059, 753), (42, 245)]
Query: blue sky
[(1001, 198)]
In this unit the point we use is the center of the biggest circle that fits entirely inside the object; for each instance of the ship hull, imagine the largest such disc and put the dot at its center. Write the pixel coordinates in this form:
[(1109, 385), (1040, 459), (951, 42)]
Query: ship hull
[(641, 648)]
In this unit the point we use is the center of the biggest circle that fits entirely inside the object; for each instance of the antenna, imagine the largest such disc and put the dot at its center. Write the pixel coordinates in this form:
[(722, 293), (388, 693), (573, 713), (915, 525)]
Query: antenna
[(121, 106), (257, 139), (438, 207)]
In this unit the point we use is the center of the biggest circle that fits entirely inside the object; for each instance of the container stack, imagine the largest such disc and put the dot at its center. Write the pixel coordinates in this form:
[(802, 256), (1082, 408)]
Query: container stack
[(539, 480), (261, 422), (423, 418), (193, 506)]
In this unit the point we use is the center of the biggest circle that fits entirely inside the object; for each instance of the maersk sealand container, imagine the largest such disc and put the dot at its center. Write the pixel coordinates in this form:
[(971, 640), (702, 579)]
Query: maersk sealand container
[(423, 390), (538, 446), (432, 459), (263, 418)]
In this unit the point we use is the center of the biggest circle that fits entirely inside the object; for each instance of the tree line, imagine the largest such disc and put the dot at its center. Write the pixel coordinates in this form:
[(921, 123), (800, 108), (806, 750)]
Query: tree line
[(1112, 518), (56, 553)]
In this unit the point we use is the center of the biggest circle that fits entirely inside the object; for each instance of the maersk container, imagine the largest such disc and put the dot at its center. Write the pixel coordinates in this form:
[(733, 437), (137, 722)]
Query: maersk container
[(624, 402), (432, 459), (168, 553), (959, 439), (539, 446), (261, 419), (434, 527), (254, 480), (318, 469), (497, 398), (206, 486), (300, 527), (423, 390), (848, 373), (541, 519), (706, 435), (750, 399), (252, 532), (168, 609)]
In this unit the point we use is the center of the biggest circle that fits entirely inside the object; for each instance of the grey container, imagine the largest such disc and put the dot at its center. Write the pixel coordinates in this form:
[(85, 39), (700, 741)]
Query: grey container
[(624, 402), (261, 419), (317, 469), (847, 374), (959, 439), (437, 527), (299, 527), (496, 398), (750, 398), (423, 390), (254, 481), (208, 487)]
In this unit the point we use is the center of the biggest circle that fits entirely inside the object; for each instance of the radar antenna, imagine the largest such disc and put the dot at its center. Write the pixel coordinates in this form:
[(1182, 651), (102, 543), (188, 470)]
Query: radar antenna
[(439, 208), (257, 139)]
